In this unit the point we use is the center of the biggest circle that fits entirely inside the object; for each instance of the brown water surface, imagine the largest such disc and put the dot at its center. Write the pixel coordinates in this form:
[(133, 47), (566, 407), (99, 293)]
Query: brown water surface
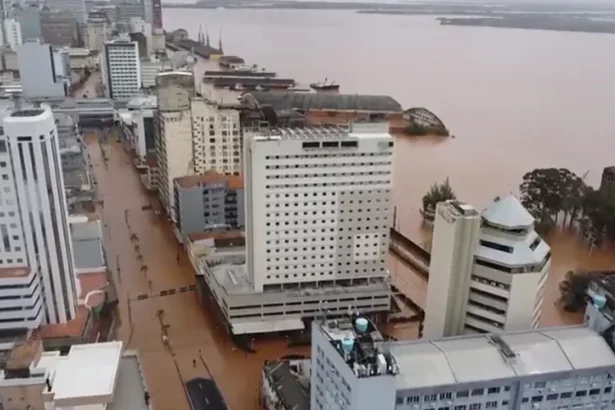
[(514, 99)]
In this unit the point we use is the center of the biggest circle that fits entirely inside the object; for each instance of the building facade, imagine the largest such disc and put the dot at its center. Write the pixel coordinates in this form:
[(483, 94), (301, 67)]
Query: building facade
[(98, 31), (489, 279), (75, 7), (12, 33), (59, 28), (44, 71), (46, 249), (173, 126), (557, 368), (217, 138), (121, 69), (318, 206), (208, 202)]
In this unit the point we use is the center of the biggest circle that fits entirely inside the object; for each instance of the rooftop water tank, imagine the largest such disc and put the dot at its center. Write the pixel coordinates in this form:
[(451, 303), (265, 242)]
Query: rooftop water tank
[(599, 300), (347, 344), (361, 325)]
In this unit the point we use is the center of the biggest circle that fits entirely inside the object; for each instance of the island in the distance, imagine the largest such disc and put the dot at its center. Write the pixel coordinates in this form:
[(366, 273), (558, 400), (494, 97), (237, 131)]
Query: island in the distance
[(535, 22)]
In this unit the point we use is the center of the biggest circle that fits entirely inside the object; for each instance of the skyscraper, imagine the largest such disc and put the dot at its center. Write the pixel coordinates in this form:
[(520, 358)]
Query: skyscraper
[(318, 206), (36, 236)]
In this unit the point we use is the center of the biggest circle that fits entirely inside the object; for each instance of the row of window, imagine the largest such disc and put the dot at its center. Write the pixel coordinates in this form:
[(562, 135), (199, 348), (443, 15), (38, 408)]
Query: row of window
[(337, 155), (328, 185), (328, 175), (330, 165)]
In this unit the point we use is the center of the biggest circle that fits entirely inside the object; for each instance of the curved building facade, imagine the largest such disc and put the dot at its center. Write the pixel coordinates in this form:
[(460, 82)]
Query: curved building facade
[(31, 137)]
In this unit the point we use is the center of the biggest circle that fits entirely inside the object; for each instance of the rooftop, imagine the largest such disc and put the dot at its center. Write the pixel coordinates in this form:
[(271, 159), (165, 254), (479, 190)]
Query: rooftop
[(509, 213), (324, 101), (319, 132), (285, 383), (481, 358), (27, 113), (210, 177), (361, 345), (18, 272), (96, 365), (72, 328)]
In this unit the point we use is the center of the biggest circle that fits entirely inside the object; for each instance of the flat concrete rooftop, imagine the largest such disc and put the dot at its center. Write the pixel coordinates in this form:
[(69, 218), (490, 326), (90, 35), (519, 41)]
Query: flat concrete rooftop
[(478, 358)]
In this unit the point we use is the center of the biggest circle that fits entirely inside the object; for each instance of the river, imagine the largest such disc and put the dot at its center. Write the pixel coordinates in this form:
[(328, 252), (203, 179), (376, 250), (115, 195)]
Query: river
[(514, 99)]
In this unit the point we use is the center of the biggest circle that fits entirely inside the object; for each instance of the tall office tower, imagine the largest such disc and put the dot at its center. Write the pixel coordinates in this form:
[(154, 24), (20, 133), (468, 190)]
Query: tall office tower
[(37, 243), (455, 237), (43, 71), (173, 125), (29, 17), (503, 289), (217, 140), (556, 368), (148, 11), (98, 31), (12, 33), (121, 69), (318, 206), (157, 13), (59, 28)]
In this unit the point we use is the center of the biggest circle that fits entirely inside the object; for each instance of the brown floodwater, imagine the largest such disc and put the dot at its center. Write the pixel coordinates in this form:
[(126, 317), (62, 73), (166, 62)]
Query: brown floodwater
[(514, 99)]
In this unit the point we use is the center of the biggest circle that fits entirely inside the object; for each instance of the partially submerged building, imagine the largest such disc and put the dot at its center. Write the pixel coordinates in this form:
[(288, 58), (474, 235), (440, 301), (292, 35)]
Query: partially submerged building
[(286, 108), (317, 231)]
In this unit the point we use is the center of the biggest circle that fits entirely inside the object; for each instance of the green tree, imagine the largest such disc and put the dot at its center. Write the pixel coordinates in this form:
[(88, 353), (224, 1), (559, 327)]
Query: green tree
[(437, 193), (547, 192), (574, 288)]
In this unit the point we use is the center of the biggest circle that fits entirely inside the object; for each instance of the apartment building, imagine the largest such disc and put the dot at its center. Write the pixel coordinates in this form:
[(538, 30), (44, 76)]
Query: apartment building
[(318, 211), (488, 270), (558, 368), (217, 137), (38, 263), (121, 69), (173, 127), (208, 202)]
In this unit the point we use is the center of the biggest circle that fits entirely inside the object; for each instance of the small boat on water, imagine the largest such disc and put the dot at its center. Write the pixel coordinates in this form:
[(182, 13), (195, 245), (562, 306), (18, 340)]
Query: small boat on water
[(326, 85)]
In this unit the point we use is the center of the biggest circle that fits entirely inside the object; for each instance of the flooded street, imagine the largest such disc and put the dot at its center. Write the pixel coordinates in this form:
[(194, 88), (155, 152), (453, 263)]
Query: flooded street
[(191, 331)]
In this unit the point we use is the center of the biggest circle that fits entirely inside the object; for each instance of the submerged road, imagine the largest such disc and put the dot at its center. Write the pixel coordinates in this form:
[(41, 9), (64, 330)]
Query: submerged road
[(192, 333)]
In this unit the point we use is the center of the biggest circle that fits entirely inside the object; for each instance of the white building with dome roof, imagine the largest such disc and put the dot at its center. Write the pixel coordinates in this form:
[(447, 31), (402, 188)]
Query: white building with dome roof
[(488, 270)]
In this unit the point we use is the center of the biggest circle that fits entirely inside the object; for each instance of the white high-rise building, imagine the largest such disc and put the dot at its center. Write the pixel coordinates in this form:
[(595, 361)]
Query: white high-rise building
[(217, 138), (121, 69), (318, 206), (37, 279), (488, 272), (12, 33)]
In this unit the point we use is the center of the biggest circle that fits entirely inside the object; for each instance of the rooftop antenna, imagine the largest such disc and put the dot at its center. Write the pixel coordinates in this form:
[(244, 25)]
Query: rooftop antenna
[(220, 42)]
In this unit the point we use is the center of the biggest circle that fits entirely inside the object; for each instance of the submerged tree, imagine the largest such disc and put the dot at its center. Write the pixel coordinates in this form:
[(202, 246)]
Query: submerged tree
[(437, 193), (547, 192), (573, 289)]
